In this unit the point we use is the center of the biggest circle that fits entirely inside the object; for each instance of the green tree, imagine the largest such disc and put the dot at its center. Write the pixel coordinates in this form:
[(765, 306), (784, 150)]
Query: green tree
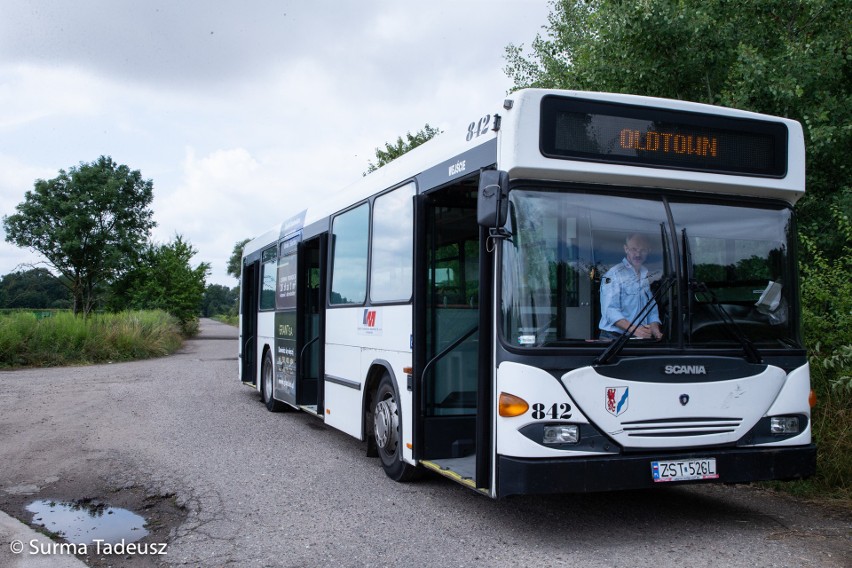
[(401, 146), (164, 279), (235, 263), (89, 223), (34, 288), (218, 300), (791, 58)]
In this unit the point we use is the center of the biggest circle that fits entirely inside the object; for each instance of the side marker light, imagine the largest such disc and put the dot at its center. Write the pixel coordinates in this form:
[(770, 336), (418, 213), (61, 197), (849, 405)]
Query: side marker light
[(511, 405)]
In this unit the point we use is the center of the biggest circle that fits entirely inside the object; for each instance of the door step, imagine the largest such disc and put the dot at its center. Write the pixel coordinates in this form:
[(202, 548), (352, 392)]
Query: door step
[(311, 409), (460, 470)]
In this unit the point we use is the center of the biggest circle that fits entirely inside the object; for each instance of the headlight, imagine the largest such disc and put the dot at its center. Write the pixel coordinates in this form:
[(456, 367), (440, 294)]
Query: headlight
[(784, 425), (562, 434)]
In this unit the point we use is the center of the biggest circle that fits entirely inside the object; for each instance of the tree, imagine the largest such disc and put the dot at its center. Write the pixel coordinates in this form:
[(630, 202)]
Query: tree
[(400, 147), (790, 58), (218, 300), (89, 223), (35, 288), (164, 279), (235, 263)]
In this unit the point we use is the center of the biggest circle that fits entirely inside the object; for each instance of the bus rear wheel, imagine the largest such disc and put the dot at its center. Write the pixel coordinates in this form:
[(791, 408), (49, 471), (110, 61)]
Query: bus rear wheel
[(267, 376), (386, 429)]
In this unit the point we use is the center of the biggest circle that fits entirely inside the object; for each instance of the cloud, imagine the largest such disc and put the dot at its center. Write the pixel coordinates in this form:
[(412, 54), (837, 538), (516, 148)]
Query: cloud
[(228, 195), (242, 113)]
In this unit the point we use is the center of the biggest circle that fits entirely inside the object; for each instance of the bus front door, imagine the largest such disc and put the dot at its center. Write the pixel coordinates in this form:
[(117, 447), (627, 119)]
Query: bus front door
[(455, 432)]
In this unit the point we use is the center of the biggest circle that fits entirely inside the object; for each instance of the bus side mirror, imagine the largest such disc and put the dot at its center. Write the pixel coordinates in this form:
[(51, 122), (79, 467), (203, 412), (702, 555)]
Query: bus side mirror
[(492, 202)]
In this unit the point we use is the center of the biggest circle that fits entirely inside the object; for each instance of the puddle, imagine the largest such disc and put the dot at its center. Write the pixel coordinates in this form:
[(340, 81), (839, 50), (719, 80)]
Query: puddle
[(83, 521)]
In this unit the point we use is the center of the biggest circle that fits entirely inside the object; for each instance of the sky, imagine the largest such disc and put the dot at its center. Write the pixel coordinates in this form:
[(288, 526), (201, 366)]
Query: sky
[(241, 112)]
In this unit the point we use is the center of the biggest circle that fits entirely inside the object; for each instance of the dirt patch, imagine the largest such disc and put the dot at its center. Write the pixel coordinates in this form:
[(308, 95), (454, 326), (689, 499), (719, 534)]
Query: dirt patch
[(161, 512)]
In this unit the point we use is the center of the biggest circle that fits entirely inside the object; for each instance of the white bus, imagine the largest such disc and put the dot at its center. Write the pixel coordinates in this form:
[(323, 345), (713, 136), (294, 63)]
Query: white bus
[(447, 308)]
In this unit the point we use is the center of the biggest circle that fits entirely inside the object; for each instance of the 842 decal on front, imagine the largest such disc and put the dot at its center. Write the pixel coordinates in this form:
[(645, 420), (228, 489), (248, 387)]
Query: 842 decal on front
[(560, 410)]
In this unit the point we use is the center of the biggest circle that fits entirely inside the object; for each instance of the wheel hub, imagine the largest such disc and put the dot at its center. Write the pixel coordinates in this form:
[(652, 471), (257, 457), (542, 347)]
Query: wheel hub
[(386, 423)]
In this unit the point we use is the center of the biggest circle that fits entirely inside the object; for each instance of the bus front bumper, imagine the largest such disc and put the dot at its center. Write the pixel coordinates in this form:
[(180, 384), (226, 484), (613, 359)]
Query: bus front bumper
[(524, 476)]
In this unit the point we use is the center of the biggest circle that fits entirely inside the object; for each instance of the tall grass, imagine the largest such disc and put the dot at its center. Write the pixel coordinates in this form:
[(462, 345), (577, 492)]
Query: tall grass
[(63, 339), (227, 319), (832, 426)]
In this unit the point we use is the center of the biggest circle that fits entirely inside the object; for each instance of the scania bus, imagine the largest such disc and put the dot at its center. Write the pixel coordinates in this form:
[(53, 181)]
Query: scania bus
[(446, 309)]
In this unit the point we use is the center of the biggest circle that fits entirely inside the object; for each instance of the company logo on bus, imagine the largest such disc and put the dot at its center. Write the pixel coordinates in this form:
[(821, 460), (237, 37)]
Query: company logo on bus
[(370, 322), (685, 370), (616, 400), (369, 318)]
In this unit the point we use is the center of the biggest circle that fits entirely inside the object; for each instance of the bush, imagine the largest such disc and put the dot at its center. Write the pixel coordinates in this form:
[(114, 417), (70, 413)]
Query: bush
[(64, 339), (164, 280), (827, 319)]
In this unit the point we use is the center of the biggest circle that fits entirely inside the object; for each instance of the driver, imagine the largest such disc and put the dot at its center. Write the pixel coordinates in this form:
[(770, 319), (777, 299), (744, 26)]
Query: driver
[(625, 289)]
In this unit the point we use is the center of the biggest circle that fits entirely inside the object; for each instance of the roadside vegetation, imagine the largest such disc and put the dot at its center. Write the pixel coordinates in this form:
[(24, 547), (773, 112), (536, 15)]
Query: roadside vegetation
[(827, 315), (92, 224), (27, 340)]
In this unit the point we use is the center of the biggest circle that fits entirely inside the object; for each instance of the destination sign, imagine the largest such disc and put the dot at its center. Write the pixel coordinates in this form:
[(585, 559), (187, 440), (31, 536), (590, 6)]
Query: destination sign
[(581, 129)]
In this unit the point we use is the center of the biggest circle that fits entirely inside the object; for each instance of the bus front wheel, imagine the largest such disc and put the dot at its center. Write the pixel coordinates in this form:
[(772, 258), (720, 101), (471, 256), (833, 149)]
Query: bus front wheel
[(386, 429)]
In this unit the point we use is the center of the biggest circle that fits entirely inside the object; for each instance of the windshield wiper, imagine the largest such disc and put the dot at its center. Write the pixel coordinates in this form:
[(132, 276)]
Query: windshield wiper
[(751, 353), (617, 345)]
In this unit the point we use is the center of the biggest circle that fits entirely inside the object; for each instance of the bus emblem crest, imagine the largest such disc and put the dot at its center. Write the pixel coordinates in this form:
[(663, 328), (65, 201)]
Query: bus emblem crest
[(616, 400)]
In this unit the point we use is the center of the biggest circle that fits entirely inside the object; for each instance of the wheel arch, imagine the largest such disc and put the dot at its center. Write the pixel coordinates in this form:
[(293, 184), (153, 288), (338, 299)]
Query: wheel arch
[(371, 384)]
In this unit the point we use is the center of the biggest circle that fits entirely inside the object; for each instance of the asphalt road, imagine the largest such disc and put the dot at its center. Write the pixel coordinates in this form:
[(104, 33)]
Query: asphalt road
[(226, 483)]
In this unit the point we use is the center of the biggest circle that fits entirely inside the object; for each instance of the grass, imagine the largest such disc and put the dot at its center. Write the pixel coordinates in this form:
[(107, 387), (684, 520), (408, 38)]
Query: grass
[(832, 483), (63, 339), (832, 428), (227, 319)]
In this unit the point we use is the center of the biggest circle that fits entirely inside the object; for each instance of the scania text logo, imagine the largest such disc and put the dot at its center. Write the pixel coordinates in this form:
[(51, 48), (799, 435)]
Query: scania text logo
[(685, 370)]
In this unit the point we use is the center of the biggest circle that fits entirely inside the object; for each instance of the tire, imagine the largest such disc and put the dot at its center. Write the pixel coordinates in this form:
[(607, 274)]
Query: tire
[(267, 375), (386, 430)]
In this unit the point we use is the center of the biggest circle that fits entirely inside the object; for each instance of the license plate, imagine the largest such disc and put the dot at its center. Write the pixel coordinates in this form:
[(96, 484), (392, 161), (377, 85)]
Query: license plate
[(684, 470)]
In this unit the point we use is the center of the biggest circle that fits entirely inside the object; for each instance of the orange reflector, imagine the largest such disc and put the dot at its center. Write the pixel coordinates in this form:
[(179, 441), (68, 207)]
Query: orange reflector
[(511, 405), (328, 411), (408, 370), (409, 446), (812, 399)]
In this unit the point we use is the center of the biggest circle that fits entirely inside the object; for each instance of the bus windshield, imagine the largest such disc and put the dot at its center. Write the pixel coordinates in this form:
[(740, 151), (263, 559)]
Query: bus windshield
[(577, 268)]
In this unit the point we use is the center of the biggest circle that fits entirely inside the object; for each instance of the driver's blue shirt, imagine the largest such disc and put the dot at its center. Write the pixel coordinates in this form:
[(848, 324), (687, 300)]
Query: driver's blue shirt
[(623, 294)]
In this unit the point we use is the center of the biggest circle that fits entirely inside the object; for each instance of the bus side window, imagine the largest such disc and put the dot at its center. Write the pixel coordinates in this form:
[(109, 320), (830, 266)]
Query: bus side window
[(392, 246), (350, 234), (269, 278)]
